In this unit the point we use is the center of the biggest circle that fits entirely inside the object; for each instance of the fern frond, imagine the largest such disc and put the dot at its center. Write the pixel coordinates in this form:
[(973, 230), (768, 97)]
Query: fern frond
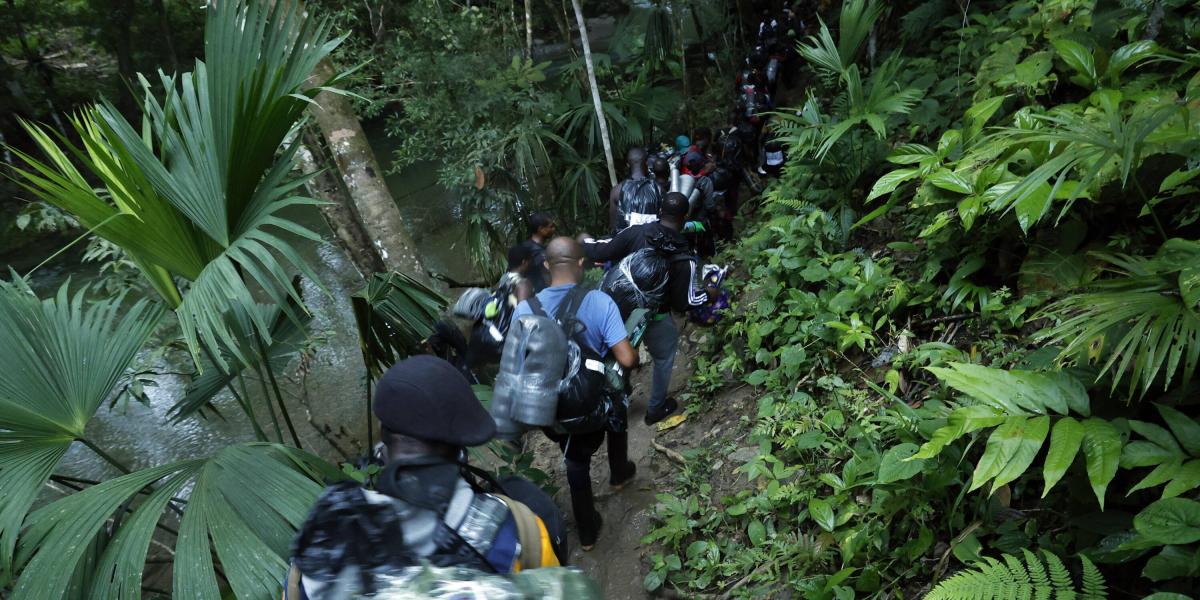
[(1093, 581), (1037, 574), (1020, 580), (1059, 576)]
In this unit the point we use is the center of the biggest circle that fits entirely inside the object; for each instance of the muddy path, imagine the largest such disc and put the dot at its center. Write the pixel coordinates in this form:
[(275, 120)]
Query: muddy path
[(617, 562)]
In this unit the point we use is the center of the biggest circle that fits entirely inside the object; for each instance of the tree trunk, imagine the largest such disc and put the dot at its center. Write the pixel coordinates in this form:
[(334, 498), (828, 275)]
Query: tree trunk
[(529, 29), (363, 179), (340, 214), (164, 29), (591, 71)]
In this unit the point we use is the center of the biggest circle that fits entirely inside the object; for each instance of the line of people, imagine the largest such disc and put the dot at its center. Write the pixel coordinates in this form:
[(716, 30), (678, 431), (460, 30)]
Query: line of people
[(560, 357)]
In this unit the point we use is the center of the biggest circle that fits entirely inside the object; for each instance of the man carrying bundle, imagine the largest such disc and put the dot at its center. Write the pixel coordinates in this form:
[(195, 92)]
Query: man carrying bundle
[(660, 246)]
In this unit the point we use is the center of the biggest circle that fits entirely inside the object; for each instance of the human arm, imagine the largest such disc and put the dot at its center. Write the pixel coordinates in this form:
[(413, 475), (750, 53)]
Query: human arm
[(612, 327), (626, 356), (614, 248), (523, 290)]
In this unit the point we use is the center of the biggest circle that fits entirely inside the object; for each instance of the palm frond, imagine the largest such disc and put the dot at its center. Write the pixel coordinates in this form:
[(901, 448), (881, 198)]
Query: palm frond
[(1144, 320), (62, 358), (395, 314), (246, 502)]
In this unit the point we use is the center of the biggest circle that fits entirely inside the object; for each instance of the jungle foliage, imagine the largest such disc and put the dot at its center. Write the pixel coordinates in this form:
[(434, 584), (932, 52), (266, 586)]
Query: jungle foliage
[(512, 133), (969, 311)]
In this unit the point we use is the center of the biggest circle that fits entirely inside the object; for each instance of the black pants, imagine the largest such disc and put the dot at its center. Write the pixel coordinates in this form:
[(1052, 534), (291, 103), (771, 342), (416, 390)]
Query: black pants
[(578, 450)]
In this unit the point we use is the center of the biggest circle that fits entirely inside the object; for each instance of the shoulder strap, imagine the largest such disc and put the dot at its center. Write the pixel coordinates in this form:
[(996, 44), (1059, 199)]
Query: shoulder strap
[(528, 532), (536, 306)]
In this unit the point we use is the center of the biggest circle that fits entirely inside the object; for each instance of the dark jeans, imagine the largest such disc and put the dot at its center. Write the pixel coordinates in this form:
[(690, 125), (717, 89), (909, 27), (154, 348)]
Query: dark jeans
[(578, 450)]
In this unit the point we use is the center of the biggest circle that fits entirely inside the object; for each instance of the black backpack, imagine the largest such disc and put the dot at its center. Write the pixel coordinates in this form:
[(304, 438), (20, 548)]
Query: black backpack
[(583, 401)]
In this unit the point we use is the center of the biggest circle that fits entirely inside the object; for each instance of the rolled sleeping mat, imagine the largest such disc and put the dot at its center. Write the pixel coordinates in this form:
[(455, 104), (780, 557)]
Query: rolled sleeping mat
[(531, 368)]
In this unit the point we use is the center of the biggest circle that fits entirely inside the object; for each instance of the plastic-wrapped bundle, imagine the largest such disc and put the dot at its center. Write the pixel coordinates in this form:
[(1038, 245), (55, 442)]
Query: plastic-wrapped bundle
[(471, 303), (638, 281), (531, 370)]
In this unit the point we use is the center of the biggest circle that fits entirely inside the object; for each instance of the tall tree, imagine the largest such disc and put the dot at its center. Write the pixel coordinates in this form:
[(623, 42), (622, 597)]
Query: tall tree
[(591, 71), (343, 134)]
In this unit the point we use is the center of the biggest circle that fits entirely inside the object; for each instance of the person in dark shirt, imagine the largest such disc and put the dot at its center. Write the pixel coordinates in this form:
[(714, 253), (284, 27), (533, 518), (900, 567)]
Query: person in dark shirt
[(662, 334), (542, 226)]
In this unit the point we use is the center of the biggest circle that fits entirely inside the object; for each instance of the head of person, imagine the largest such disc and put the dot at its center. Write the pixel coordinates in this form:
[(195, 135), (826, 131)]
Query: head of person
[(542, 224), (682, 143), (659, 165), (674, 208), (518, 258), (426, 408), (635, 159), (694, 161), (703, 138), (564, 259)]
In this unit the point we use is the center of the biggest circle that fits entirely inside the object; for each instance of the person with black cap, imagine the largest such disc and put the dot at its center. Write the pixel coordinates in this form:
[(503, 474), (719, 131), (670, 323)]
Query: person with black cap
[(428, 506)]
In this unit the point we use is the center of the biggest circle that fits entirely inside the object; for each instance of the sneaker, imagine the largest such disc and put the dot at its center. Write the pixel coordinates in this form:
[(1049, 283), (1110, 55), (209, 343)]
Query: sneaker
[(587, 545), (653, 416), (618, 485)]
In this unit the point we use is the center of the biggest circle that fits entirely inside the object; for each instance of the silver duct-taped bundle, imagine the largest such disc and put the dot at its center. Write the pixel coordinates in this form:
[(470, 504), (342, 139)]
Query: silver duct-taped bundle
[(531, 371)]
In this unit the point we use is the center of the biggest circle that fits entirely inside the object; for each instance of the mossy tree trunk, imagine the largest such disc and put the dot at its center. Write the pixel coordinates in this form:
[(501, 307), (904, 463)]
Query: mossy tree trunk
[(363, 181)]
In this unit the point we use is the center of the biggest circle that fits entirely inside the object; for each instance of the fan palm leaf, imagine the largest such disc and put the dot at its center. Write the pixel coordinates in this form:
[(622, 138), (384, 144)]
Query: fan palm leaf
[(61, 360), (245, 504), (395, 314), (197, 191), (1146, 320)]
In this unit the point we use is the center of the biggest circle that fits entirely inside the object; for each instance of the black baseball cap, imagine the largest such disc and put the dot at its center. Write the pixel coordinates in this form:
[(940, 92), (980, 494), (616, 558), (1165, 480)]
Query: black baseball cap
[(426, 398)]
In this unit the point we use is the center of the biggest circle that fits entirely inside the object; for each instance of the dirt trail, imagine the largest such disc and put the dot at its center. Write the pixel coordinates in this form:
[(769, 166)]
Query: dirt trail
[(616, 562)]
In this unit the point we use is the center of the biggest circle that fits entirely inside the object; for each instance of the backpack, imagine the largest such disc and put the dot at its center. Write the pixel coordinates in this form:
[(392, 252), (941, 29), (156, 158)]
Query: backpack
[(582, 395)]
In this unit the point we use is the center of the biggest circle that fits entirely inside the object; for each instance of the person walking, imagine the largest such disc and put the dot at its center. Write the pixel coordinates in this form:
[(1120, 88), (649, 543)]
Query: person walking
[(428, 505), (662, 334), (636, 199), (603, 332), (542, 227)]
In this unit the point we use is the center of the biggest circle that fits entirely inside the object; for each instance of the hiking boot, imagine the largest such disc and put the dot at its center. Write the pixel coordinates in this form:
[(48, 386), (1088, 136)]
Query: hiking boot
[(654, 416), (619, 483), (586, 544)]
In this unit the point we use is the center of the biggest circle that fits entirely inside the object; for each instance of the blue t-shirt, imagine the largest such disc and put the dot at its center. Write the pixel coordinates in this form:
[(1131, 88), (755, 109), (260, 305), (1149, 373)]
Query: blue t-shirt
[(598, 313)]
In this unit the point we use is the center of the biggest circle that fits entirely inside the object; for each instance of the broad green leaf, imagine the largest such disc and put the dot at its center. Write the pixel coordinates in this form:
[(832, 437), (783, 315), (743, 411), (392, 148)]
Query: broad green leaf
[(1186, 479), (1102, 449), (1145, 454), (1186, 430), (1171, 563), (1030, 443), (1001, 447), (1160, 475), (1031, 207), (961, 422), (1156, 434), (1170, 521), (950, 181), (756, 532), (895, 465), (1078, 58), (978, 115), (1128, 55), (1017, 392), (822, 513), (890, 181), (1032, 70), (1065, 440), (907, 154)]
